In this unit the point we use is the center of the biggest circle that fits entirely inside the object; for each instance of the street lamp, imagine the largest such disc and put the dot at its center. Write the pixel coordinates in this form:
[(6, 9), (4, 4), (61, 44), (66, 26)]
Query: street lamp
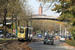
[(31, 19), (27, 23), (16, 23), (12, 26)]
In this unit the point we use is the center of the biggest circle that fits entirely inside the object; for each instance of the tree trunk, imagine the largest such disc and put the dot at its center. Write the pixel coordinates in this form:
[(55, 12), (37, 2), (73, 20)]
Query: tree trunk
[(4, 32), (4, 24)]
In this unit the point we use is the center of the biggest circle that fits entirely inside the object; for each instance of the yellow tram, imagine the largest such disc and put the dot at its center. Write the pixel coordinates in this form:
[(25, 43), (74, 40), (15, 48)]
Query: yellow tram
[(25, 33)]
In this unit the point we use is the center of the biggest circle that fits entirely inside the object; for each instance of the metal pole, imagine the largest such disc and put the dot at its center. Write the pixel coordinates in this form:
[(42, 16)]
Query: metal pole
[(62, 4), (12, 28), (16, 23), (65, 32), (27, 23), (31, 19), (55, 26), (24, 18)]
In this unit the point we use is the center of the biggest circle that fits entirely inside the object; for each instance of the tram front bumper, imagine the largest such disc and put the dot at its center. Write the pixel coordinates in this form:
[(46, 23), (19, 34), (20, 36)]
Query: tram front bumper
[(22, 39)]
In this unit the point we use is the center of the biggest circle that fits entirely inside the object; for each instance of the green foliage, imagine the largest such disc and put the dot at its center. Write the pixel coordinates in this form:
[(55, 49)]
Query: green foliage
[(12, 8), (57, 8), (69, 42), (46, 25), (13, 25), (72, 30), (6, 5), (45, 1), (67, 9)]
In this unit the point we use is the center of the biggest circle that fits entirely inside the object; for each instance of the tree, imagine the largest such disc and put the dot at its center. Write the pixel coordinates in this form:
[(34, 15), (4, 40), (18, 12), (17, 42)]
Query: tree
[(3, 12), (43, 25), (25, 14), (67, 9), (8, 8)]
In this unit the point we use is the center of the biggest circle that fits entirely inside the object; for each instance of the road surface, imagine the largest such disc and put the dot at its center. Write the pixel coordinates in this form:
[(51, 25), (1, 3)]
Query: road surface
[(41, 46)]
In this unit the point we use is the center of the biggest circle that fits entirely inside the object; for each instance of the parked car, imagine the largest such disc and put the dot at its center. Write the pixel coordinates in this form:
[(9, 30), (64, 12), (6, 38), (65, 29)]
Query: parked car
[(8, 35), (39, 35), (14, 36), (59, 36), (62, 38), (68, 37), (48, 40), (1, 35), (54, 37)]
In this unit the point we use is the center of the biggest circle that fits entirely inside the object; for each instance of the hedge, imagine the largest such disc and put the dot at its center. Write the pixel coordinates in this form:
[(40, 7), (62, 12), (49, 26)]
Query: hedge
[(70, 42)]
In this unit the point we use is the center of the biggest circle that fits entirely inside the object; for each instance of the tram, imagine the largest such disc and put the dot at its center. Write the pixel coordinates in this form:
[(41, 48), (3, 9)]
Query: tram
[(25, 33)]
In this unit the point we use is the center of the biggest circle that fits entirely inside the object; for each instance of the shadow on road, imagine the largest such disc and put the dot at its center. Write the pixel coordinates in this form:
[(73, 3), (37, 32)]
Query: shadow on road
[(50, 44)]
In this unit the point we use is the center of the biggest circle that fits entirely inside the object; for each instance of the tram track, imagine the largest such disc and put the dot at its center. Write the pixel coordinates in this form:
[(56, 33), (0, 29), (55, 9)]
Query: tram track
[(2, 45), (16, 45), (10, 45), (20, 45)]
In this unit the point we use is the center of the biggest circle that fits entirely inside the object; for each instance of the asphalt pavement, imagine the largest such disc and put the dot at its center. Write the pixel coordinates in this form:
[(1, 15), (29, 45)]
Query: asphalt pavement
[(41, 46)]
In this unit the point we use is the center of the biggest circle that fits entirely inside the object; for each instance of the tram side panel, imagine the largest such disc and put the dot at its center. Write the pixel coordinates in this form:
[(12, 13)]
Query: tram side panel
[(26, 33), (30, 35)]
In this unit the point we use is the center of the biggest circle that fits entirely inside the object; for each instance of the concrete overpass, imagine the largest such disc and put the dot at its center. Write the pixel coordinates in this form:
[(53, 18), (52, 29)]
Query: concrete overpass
[(7, 20), (44, 17), (36, 17)]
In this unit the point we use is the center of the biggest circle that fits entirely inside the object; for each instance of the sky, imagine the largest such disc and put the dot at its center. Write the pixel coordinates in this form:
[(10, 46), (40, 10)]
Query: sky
[(35, 6)]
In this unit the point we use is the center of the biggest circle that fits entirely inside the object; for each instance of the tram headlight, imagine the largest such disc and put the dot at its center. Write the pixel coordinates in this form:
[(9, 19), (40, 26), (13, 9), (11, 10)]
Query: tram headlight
[(19, 35), (31, 35), (28, 34), (23, 36)]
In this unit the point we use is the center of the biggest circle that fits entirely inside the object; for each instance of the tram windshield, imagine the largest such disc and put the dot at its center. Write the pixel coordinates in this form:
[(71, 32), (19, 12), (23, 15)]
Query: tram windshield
[(21, 30)]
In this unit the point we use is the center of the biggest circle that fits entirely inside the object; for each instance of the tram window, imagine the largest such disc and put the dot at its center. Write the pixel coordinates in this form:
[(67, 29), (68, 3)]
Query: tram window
[(21, 30), (30, 31)]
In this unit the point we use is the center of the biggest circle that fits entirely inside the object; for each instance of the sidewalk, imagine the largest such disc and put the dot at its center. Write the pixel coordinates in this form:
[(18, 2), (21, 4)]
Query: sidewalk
[(66, 46)]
